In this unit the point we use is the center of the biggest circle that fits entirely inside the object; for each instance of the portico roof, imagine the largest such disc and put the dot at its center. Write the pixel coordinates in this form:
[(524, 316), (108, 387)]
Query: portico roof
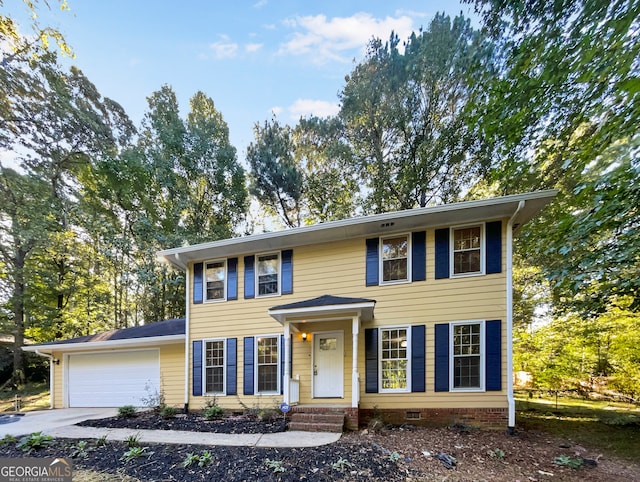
[(325, 305)]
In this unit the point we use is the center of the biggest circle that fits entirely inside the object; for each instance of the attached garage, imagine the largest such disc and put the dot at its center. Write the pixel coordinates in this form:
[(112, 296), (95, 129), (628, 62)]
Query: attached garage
[(118, 367), (113, 379)]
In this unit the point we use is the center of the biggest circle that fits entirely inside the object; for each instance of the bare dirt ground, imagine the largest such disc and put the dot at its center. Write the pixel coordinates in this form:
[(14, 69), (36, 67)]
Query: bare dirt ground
[(391, 454)]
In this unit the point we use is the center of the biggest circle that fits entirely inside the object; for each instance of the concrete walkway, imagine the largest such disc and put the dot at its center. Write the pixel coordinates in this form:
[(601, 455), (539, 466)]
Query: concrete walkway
[(280, 439), (60, 423)]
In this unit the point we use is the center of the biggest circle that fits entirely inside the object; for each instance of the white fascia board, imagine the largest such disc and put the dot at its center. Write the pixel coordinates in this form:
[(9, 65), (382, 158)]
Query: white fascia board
[(378, 224), (281, 315), (108, 344)]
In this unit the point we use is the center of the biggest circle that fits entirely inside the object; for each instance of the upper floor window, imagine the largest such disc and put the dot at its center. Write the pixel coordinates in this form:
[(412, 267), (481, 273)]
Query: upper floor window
[(467, 356), (214, 366), (268, 274), (267, 364), (394, 359), (395, 259), (467, 250), (215, 280)]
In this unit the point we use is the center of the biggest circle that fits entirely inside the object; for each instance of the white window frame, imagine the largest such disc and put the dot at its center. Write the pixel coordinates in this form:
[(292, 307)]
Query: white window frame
[(407, 389), (226, 280), (483, 349), (224, 366), (256, 364), (381, 259), (257, 277), (452, 231)]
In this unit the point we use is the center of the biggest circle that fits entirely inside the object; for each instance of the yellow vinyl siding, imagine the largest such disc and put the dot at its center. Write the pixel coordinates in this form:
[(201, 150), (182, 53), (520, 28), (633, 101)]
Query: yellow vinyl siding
[(339, 269), (172, 374), (58, 399)]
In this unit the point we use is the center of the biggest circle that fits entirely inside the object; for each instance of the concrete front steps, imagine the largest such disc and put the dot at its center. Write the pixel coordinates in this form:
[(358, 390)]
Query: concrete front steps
[(317, 419)]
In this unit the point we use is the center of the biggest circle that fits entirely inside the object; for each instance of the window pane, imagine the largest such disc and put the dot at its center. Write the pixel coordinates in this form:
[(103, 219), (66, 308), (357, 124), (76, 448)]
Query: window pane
[(268, 266), (395, 258), (466, 353), (267, 360), (467, 238), (394, 360), (215, 273), (466, 372), (466, 250), (394, 374), (214, 366)]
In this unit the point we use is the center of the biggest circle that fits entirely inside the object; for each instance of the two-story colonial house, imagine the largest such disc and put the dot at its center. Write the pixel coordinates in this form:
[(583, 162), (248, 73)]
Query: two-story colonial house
[(406, 315)]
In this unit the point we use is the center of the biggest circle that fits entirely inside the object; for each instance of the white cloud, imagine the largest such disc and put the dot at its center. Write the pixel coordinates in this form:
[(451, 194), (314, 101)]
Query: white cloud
[(309, 107), (260, 3), (336, 38), (224, 48), (253, 47)]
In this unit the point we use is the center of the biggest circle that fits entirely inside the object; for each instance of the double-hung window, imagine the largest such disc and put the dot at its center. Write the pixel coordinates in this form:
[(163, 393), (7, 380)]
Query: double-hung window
[(467, 248), (395, 262), (267, 364), (214, 368), (394, 359), (467, 356), (216, 280), (268, 274)]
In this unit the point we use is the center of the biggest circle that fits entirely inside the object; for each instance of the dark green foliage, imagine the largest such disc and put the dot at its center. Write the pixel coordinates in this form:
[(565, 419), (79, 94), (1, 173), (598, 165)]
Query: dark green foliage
[(127, 411)]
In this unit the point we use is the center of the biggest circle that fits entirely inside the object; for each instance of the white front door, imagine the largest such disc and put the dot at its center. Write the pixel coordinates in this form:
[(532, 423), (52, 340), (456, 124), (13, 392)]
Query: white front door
[(328, 365)]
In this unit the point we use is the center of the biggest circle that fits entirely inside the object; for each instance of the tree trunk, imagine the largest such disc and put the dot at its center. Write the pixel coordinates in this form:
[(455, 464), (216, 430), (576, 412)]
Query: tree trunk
[(18, 318)]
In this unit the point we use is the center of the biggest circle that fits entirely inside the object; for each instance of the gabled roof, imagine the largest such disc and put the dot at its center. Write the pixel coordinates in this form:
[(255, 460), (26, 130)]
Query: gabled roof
[(161, 332), (524, 206), (323, 306)]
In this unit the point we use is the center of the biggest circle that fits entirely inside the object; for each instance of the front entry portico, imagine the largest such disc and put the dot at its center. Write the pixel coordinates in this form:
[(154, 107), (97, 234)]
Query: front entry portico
[(313, 364)]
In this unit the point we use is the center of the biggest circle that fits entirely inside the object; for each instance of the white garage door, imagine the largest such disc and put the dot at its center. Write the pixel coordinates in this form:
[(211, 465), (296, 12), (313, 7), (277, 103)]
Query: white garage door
[(113, 379)]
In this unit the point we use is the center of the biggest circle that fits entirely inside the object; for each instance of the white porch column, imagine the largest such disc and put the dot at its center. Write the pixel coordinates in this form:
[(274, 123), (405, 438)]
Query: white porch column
[(355, 377), (286, 379)]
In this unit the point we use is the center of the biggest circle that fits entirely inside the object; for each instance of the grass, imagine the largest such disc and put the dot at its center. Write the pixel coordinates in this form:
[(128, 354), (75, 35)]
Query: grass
[(93, 476), (608, 426), (34, 396)]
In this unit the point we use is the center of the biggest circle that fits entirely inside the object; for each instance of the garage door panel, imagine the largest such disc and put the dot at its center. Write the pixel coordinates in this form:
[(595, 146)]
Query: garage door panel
[(113, 379)]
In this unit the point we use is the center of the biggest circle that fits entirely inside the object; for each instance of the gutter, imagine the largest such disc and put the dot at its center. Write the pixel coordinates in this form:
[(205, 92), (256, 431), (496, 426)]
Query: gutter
[(51, 374), (186, 341), (510, 398)]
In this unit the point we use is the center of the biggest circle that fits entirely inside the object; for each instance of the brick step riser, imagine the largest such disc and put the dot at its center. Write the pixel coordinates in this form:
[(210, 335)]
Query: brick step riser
[(315, 427), (317, 417)]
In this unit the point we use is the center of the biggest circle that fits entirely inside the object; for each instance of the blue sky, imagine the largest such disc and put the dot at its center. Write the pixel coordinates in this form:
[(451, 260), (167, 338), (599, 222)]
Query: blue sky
[(252, 58)]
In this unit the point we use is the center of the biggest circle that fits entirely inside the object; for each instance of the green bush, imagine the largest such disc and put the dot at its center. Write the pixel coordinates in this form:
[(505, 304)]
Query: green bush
[(213, 412), (34, 441), (127, 411), (168, 412)]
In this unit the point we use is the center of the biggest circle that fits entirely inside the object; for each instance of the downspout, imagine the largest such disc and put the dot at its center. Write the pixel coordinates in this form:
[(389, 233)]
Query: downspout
[(51, 383), (186, 340), (510, 398)]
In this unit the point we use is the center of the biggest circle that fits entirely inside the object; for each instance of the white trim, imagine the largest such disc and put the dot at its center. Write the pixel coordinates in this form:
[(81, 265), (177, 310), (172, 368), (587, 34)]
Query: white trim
[(257, 276), (204, 280), (483, 349), (187, 340), (483, 255), (65, 372), (364, 310), (407, 389), (256, 391), (205, 393), (381, 259), (108, 344)]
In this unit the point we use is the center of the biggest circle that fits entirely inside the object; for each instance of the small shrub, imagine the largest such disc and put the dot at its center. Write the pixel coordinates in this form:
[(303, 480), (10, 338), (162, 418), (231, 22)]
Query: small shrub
[(190, 460), (155, 398), (566, 461), (8, 440), (168, 412), (203, 460), (341, 465), (102, 441), (80, 450), (395, 457), (206, 459), (275, 466), (213, 412), (135, 453), (34, 441), (127, 411), (133, 441)]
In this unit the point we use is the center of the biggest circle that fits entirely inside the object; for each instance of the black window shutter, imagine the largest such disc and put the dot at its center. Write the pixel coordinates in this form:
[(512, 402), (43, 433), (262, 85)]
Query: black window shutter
[(371, 360), (372, 262), (249, 277), (494, 247), (287, 272), (442, 253), (281, 356), (248, 365), (232, 366), (418, 358), (197, 283), (419, 256), (493, 357), (442, 357), (197, 367), (232, 281)]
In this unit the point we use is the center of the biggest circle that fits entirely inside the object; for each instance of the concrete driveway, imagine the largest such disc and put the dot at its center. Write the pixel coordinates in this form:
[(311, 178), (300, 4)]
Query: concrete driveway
[(43, 420)]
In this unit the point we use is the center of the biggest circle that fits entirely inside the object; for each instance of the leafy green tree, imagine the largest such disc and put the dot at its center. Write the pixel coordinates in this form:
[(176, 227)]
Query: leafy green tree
[(276, 179), (410, 116)]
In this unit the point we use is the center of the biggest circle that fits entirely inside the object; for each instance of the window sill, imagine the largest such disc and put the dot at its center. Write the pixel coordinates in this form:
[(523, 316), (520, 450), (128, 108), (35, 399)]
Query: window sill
[(396, 282), (467, 275), (467, 390), (221, 300)]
